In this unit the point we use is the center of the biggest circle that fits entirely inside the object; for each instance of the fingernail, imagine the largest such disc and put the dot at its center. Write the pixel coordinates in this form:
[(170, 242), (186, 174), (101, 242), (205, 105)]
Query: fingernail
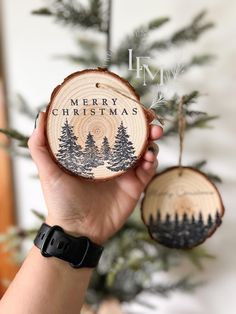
[(36, 120), (151, 149), (154, 149)]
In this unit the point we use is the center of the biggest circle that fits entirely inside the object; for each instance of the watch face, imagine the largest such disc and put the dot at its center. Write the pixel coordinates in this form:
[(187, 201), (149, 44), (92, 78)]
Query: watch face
[(96, 127)]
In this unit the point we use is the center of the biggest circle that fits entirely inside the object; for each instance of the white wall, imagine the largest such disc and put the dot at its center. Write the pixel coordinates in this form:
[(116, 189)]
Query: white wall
[(31, 43)]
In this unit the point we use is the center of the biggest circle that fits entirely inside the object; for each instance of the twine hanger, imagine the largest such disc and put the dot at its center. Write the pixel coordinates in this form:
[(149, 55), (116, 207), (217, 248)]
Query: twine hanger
[(106, 86), (181, 119), (181, 131)]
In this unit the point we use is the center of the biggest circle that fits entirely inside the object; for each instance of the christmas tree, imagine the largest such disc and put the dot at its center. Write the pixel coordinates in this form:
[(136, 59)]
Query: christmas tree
[(128, 266), (183, 231), (105, 150), (123, 151), (70, 153), (91, 152)]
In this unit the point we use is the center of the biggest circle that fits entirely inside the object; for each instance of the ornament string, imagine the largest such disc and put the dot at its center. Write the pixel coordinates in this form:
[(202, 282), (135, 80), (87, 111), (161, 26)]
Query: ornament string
[(106, 86), (181, 118), (181, 130)]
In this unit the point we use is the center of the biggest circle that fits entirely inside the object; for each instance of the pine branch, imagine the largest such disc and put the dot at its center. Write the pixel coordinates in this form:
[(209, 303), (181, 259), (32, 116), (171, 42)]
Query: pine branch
[(190, 98), (202, 122), (212, 177), (199, 122), (154, 24), (194, 118), (196, 60), (42, 11), (200, 60), (37, 214), (190, 33), (14, 134), (137, 41), (197, 255), (73, 13), (170, 107), (88, 54), (184, 284), (131, 41), (199, 164)]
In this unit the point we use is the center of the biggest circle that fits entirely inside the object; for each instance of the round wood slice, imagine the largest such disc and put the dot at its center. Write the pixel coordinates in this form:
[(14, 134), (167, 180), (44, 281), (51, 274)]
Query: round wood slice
[(96, 128), (181, 211)]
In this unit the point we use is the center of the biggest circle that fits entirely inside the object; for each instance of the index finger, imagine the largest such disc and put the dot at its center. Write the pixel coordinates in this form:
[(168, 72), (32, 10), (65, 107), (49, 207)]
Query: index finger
[(156, 132)]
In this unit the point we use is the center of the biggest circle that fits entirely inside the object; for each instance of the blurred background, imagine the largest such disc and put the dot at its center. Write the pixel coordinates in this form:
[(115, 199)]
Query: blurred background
[(32, 64)]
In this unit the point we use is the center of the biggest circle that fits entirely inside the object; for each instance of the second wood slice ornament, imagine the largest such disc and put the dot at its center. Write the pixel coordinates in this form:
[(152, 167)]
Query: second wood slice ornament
[(181, 211), (96, 127), (181, 207)]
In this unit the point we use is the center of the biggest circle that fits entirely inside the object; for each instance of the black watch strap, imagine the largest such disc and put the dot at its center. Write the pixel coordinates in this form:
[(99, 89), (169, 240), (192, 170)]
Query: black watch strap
[(78, 251)]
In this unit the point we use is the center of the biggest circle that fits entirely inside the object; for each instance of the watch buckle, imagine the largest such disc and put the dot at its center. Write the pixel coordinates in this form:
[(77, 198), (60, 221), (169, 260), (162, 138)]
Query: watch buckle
[(48, 238), (77, 265)]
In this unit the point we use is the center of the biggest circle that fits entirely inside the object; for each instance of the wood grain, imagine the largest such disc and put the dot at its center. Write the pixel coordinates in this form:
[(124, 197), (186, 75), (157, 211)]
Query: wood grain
[(96, 127), (181, 211)]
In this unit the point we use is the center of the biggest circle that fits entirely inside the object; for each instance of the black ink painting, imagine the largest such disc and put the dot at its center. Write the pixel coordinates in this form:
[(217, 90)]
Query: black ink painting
[(82, 161), (182, 231), (123, 151)]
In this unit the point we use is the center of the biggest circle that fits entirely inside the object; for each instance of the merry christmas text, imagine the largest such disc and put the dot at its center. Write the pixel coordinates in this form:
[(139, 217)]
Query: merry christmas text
[(94, 111), (93, 107)]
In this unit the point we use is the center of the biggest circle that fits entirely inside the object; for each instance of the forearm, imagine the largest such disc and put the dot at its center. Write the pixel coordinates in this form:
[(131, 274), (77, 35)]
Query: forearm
[(46, 285)]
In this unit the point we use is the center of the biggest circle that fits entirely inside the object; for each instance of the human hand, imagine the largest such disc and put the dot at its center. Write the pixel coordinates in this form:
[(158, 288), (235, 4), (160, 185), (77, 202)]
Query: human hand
[(82, 207)]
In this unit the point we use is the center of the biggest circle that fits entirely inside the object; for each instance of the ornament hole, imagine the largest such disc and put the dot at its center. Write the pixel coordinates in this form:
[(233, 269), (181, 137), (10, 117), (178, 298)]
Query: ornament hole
[(97, 85)]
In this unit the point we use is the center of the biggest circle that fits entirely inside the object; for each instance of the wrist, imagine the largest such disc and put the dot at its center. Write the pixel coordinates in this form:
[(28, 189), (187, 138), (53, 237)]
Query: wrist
[(79, 252), (76, 229)]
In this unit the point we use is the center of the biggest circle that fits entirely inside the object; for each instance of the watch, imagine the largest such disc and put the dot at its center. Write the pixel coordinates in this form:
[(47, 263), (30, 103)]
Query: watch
[(78, 251)]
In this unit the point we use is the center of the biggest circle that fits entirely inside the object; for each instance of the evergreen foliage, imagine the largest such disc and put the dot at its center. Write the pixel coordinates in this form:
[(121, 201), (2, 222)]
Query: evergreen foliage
[(91, 152), (69, 151), (70, 154), (183, 231), (105, 149), (123, 152)]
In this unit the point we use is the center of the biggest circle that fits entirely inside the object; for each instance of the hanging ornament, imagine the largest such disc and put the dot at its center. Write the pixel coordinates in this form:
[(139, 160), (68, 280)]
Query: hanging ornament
[(181, 206), (96, 127)]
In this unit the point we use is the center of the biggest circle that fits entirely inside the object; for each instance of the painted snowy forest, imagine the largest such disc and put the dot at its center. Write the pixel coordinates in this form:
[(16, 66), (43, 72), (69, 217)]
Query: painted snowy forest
[(82, 161), (182, 231)]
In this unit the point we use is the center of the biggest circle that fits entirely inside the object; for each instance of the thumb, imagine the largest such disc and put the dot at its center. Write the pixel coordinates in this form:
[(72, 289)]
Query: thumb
[(39, 151)]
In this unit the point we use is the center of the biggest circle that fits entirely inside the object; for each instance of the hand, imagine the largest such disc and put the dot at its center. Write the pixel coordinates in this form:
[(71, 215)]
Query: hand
[(81, 207)]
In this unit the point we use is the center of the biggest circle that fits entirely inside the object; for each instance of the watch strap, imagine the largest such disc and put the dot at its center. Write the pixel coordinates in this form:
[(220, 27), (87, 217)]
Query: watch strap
[(78, 251)]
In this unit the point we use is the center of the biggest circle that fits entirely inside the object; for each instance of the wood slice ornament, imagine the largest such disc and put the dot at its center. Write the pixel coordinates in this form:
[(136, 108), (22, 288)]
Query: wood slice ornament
[(96, 127), (181, 210)]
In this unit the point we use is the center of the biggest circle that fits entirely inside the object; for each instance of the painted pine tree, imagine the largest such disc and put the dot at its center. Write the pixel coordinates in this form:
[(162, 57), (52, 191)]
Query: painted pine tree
[(123, 152), (69, 151), (105, 149), (91, 153)]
